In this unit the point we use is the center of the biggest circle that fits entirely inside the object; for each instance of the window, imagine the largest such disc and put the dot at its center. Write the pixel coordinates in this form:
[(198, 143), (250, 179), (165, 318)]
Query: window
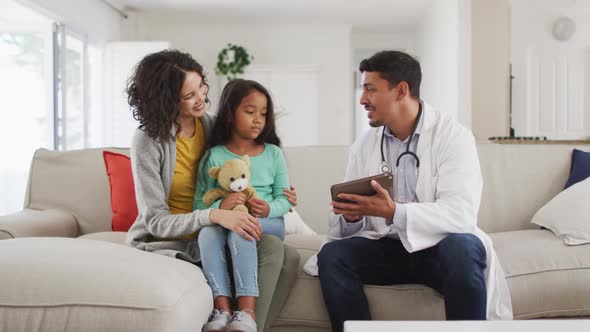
[(94, 97), (45, 103), (71, 72), (27, 97)]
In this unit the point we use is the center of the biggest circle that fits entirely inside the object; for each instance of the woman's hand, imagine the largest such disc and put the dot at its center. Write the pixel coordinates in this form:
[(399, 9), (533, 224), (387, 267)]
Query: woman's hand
[(233, 200), (258, 207), (291, 196), (240, 222)]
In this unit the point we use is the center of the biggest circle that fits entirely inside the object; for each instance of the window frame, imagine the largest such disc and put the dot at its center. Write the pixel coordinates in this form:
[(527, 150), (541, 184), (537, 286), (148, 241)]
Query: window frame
[(61, 32)]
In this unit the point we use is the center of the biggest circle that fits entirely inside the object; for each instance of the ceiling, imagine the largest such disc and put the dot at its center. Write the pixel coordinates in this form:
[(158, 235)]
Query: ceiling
[(394, 15)]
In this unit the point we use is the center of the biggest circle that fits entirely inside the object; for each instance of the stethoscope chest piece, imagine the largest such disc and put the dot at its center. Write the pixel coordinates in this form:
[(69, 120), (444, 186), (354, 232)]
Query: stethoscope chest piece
[(385, 168)]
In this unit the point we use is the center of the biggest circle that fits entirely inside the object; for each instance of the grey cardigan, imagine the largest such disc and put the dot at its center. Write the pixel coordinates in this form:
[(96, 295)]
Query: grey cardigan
[(152, 162)]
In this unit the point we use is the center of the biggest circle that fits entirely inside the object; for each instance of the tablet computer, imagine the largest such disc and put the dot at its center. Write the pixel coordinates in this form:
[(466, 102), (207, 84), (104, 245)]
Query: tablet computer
[(362, 186)]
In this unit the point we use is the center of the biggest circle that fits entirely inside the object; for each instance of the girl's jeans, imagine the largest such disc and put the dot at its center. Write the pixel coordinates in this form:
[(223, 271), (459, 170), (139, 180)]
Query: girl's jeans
[(212, 243)]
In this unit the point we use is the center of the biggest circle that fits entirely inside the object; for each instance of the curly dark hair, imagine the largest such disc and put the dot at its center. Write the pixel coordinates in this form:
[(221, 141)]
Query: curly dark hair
[(394, 67), (153, 91)]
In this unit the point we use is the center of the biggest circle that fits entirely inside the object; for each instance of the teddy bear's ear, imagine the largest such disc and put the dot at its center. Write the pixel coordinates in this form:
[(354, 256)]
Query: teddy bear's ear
[(246, 159), (214, 172)]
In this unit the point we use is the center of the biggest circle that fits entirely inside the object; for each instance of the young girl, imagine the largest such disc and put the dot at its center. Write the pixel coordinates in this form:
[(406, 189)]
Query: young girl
[(244, 126)]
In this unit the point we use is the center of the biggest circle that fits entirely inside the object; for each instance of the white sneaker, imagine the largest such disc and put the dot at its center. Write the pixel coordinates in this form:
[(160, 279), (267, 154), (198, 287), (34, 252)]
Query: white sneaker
[(241, 321), (217, 321)]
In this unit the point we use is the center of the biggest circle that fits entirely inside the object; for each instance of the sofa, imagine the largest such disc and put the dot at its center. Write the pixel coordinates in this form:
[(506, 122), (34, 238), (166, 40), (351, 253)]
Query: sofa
[(63, 269)]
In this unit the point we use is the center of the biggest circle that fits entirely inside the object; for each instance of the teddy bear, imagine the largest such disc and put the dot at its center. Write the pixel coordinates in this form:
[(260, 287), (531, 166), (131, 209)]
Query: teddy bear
[(233, 176)]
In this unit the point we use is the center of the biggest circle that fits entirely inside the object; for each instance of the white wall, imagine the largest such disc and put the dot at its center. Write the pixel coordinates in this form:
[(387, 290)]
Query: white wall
[(327, 46), (551, 92), (490, 60), (442, 51), (464, 63), (372, 41), (90, 17)]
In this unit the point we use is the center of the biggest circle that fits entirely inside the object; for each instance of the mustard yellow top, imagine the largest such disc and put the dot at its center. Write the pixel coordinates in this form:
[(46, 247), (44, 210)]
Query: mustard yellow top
[(188, 153)]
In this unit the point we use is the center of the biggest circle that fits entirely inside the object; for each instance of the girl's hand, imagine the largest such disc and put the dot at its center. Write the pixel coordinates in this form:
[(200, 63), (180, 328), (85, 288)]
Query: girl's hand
[(233, 200), (258, 207), (240, 222), (291, 196)]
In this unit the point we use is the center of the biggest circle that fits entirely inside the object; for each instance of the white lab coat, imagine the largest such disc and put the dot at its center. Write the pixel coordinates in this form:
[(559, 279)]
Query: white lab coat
[(448, 190)]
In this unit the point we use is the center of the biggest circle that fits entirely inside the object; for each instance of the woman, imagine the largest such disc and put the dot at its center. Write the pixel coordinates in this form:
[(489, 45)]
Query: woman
[(168, 95)]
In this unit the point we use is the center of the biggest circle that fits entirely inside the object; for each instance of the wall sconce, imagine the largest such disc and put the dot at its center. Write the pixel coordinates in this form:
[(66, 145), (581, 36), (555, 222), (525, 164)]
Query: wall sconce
[(563, 28)]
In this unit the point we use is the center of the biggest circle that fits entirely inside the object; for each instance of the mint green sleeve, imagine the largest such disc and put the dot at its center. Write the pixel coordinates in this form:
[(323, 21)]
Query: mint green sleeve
[(204, 184), (279, 206)]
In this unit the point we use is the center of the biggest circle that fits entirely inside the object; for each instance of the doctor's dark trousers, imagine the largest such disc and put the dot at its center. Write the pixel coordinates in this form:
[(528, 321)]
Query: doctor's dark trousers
[(454, 268)]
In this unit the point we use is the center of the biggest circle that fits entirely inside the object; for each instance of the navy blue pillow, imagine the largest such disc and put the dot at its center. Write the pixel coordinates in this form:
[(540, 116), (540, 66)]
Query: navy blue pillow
[(580, 169)]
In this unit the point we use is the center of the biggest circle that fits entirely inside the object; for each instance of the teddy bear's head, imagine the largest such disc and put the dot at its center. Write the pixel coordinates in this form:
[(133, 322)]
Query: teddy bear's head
[(233, 175)]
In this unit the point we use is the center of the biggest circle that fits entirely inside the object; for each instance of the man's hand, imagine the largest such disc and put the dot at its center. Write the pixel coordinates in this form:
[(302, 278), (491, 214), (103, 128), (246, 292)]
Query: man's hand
[(259, 208), (378, 205)]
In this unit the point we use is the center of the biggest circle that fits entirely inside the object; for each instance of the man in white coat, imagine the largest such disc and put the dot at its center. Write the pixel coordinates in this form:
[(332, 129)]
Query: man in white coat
[(425, 231)]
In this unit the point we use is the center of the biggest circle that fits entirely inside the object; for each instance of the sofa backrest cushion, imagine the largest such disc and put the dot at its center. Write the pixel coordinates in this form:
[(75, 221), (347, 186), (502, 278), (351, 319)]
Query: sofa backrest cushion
[(518, 180), (74, 181), (313, 170)]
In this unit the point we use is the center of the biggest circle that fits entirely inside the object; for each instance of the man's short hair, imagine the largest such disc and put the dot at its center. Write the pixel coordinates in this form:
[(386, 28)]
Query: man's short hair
[(395, 67)]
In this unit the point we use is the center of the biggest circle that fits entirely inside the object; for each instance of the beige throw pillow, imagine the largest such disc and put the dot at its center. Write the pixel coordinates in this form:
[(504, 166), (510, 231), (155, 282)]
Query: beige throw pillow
[(568, 214)]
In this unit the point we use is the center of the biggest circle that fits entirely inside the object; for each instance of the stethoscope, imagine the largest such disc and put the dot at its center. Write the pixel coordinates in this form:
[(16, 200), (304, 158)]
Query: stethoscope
[(385, 168)]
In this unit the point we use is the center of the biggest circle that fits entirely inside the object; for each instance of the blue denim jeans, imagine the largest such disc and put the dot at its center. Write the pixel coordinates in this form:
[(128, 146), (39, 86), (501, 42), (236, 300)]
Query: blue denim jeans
[(454, 268), (244, 257)]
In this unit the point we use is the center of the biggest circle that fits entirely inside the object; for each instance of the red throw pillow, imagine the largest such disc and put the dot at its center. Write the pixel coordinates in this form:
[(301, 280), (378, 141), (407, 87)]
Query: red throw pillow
[(123, 201)]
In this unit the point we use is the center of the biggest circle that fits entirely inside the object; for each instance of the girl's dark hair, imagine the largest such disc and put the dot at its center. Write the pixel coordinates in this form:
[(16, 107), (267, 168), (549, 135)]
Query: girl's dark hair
[(153, 91), (231, 97)]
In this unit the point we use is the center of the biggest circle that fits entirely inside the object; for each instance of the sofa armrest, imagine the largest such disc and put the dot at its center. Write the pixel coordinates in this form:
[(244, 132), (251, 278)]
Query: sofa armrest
[(32, 223)]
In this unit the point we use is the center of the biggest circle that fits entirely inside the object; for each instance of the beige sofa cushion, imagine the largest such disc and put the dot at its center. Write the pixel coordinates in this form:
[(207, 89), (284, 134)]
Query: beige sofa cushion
[(83, 285), (312, 170), (508, 201), (518, 179), (305, 304), (114, 237), (75, 182), (29, 223), (546, 277)]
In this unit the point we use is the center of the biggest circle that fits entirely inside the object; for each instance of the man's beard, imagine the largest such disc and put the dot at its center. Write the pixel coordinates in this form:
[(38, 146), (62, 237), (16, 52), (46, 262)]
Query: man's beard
[(375, 123)]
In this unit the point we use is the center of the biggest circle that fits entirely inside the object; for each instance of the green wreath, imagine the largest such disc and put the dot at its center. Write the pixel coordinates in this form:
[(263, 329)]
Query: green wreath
[(231, 68)]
